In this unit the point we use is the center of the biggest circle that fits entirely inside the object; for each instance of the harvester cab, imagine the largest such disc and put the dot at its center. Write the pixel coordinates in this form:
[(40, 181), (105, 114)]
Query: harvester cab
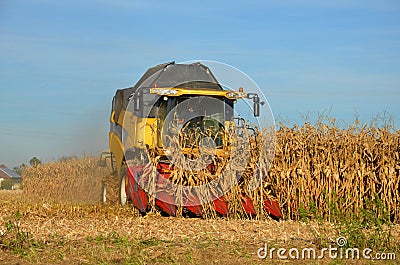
[(173, 129)]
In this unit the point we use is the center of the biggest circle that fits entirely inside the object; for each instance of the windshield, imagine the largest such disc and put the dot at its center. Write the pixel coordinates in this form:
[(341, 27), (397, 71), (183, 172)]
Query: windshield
[(195, 118)]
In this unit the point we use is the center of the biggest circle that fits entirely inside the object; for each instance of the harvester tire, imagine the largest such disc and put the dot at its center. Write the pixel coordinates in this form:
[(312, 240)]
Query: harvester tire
[(110, 190), (122, 197)]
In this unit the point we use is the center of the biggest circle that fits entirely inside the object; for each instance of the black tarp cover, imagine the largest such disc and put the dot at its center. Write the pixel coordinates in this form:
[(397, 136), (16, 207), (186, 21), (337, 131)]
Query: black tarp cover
[(177, 75), (194, 75)]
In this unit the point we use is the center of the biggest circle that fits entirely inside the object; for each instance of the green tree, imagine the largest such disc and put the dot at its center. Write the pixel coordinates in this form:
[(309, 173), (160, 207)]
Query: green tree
[(20, 169), (35, 161), (7, 184)]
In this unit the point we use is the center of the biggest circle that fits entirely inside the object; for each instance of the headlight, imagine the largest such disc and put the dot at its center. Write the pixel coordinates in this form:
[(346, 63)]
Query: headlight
[(163, 92), (235, 95), (231, 95)]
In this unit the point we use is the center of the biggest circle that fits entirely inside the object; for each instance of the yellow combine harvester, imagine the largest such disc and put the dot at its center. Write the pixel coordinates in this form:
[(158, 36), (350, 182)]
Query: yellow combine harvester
[(172, 138)]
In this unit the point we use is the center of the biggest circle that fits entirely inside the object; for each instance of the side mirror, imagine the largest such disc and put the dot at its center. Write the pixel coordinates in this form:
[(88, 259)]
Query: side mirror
[(256, 106), (136, 103)]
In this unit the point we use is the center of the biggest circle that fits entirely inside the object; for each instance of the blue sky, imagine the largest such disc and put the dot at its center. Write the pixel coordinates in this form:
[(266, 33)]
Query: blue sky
[(61, 61)]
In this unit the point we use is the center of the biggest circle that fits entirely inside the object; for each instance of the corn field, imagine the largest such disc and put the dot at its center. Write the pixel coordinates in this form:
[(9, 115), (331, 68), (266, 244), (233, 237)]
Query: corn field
[(317, 168), (74, 180), (342, 170)]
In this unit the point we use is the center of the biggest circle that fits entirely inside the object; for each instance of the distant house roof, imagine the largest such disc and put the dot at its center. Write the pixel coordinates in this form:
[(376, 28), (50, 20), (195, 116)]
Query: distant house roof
[(7, 173)]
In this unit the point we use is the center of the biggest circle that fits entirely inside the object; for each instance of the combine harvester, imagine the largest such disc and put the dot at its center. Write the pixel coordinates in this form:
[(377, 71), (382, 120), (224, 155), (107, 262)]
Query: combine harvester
[(176, 146)]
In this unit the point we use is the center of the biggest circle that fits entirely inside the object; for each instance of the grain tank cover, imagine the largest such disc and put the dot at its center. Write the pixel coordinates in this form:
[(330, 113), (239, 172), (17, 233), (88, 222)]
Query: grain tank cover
[(194, 75)]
